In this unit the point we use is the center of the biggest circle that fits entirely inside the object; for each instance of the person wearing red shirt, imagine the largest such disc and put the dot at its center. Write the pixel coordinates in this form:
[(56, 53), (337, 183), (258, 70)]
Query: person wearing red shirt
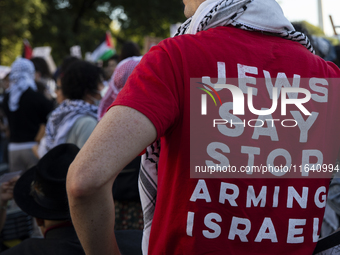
[(251, 45)]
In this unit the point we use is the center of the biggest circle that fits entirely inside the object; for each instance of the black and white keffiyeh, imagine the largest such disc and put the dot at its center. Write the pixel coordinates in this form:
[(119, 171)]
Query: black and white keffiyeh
[(251, 15), (21, 78), (148, 178), (63, 118)]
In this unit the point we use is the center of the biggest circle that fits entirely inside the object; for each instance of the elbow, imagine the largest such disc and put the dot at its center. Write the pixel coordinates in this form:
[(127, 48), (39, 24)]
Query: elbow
[(78, 185)]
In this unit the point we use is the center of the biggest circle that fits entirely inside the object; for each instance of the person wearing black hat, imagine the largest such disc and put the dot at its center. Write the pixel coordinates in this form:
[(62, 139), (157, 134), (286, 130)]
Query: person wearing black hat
[(41, 193)]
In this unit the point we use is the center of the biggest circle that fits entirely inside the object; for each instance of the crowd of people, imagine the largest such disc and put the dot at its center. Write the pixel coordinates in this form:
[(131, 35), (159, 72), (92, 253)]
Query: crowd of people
[(100, 159), (44, 111)]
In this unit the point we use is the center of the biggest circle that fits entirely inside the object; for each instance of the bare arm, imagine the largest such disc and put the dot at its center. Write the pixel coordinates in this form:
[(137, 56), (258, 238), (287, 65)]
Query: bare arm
[(119, 137)]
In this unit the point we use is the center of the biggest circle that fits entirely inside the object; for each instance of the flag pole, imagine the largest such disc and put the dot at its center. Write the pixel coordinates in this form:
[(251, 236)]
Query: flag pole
[(320, 15)]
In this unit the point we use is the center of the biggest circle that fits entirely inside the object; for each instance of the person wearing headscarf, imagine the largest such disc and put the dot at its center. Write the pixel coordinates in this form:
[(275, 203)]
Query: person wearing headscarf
[(117, 82), (26, 109)]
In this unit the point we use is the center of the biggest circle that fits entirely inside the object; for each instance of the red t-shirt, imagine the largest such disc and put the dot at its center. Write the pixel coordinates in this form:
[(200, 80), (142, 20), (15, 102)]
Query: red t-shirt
[(243, 215)]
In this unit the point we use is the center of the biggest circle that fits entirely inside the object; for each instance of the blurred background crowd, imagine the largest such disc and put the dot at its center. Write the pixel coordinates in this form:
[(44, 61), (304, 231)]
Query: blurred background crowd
[(62, 64)]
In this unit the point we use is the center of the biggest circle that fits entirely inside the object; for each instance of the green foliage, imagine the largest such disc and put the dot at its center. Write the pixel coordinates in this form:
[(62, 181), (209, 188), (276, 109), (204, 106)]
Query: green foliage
[(15, 17), (68, 23), (64, 23), (313, 30), (154, 20)]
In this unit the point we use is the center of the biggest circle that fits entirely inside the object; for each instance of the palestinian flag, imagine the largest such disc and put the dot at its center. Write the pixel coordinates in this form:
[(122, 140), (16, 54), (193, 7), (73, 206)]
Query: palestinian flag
[(27, 52), (105, 50)]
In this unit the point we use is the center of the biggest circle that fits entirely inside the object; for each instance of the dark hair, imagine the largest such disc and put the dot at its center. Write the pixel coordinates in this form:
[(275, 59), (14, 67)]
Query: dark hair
[(68, 60), (41, 66), (129, 49), (80, 78)]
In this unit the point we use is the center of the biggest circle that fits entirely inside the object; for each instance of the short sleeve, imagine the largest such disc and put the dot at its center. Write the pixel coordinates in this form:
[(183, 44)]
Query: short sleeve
[(153, 90)]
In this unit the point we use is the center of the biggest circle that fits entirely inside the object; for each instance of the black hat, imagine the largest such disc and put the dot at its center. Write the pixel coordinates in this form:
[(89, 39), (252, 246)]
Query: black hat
[(41, 190)]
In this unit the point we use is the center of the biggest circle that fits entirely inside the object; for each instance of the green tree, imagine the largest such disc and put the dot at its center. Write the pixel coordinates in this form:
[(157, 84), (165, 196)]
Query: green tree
[(64, 23), (84, 22), (68, 23), (150, 17), (15, 18)]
